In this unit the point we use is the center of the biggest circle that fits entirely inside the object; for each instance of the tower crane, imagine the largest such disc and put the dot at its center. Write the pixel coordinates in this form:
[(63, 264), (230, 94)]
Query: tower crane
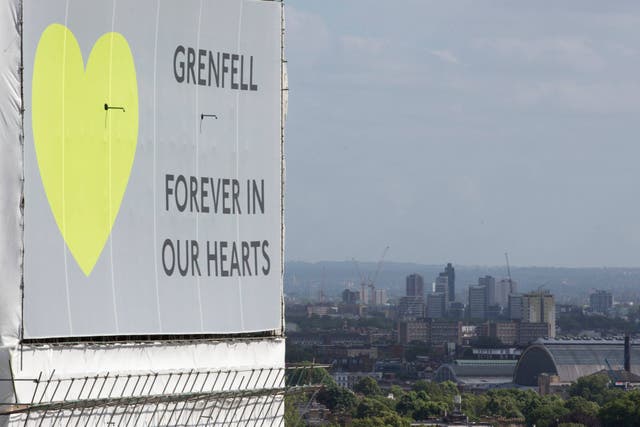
[(369, 281)]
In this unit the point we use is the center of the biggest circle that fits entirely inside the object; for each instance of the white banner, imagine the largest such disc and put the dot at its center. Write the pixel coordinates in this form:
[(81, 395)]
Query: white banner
[(153, 169)]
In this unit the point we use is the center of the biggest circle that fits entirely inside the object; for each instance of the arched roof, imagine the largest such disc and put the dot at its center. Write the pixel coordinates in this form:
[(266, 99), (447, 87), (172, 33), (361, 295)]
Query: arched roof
[(465, 370), (571, 359)]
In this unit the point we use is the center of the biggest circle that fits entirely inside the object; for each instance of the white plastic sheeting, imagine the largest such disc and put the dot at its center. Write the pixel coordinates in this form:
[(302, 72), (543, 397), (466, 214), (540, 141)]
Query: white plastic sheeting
[(176, 366), (90, 376), (11, 173)]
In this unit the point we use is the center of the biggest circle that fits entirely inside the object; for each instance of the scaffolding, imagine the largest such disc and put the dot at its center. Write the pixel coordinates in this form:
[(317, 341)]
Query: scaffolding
[(252, 397)]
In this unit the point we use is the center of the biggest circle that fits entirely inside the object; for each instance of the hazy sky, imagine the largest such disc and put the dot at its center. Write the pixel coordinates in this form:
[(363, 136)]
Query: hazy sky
[(456, 130)]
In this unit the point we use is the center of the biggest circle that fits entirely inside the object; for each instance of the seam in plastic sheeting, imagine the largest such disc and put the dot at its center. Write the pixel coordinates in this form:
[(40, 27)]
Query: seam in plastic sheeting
[(11, 172)]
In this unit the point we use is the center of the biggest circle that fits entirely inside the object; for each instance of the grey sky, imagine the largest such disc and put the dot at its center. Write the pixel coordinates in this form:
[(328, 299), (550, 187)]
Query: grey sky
[(452, 131)]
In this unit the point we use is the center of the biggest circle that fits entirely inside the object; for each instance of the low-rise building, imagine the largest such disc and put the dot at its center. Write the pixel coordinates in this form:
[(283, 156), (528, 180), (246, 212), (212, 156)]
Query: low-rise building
[(349, 379), (477, 374), (529, 332), (321, 310), (412, 330), (444, 331), (506, 332), (411, 308)]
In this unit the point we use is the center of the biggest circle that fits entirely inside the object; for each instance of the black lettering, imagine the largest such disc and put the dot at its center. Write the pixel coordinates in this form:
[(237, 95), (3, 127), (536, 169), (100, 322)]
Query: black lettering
[(168, 270), (191, 62), (179, 76), (234, 71), (195, 251), (249, 210), (215, 193), (259, 195), (265, 271), (201, 54), (212, 256), (246, 268), (252, 86), (255, 245), (183, 272), (214, 68), (203, 194), (181, 206), (225, 68), (235, 264), (236, 196), (193, 190), (225, 196), (223, 258), (168, 190), (243, 85)]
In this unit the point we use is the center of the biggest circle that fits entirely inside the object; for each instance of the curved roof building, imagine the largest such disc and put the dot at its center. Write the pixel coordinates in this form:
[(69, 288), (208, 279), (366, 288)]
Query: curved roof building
[(477, 374), (571, 359)]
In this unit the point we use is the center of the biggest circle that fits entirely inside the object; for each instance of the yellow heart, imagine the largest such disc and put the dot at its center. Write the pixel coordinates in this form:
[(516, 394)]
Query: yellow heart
[(85, 147)]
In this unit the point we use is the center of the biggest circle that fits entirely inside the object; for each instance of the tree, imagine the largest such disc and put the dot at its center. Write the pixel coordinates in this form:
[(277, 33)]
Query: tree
[(620, 412), (502, 405), (407, 404), (548, 413), (367, 386), (593, 387), (369, 408), (337, 399), (388, 420), (427, 410), (578, 405)]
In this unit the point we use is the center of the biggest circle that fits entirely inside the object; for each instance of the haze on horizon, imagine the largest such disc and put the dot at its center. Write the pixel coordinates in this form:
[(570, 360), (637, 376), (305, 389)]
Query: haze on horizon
[(453, 131)]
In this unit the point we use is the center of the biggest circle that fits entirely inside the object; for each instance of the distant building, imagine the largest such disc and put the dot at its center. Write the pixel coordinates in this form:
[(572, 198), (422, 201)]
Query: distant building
[(477, 302), (456, 310), (469, 333), (380, 297), (350, 297), (515, 307), (321, 310), (476, 374), (411, 308), (442, 285), (489, 282), (436, 305), (601, 301), (540, 307), (350, 379), (506, 332), (415, 285), (494, 312), (572, 359), (412, 330), (529, 332), (444, 331), (450, 273), (511, 353), (365, 294), (567, 310), (503, 289)]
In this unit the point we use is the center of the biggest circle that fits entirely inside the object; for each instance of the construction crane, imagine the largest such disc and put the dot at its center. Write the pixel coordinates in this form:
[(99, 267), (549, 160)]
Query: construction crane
[(379, 266), (612, 373), (506, 257), (369, 281)]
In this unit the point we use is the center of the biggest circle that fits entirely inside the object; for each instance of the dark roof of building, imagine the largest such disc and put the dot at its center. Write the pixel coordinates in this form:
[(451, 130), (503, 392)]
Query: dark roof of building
[(571, 359), (620, 375), (476, 371)]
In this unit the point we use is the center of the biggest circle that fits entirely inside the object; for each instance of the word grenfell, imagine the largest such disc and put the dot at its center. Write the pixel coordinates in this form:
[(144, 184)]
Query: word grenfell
[(220, 69)]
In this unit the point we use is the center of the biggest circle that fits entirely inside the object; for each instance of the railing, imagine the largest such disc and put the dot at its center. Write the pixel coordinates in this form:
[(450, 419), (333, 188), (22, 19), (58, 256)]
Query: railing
[(252, 397)]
